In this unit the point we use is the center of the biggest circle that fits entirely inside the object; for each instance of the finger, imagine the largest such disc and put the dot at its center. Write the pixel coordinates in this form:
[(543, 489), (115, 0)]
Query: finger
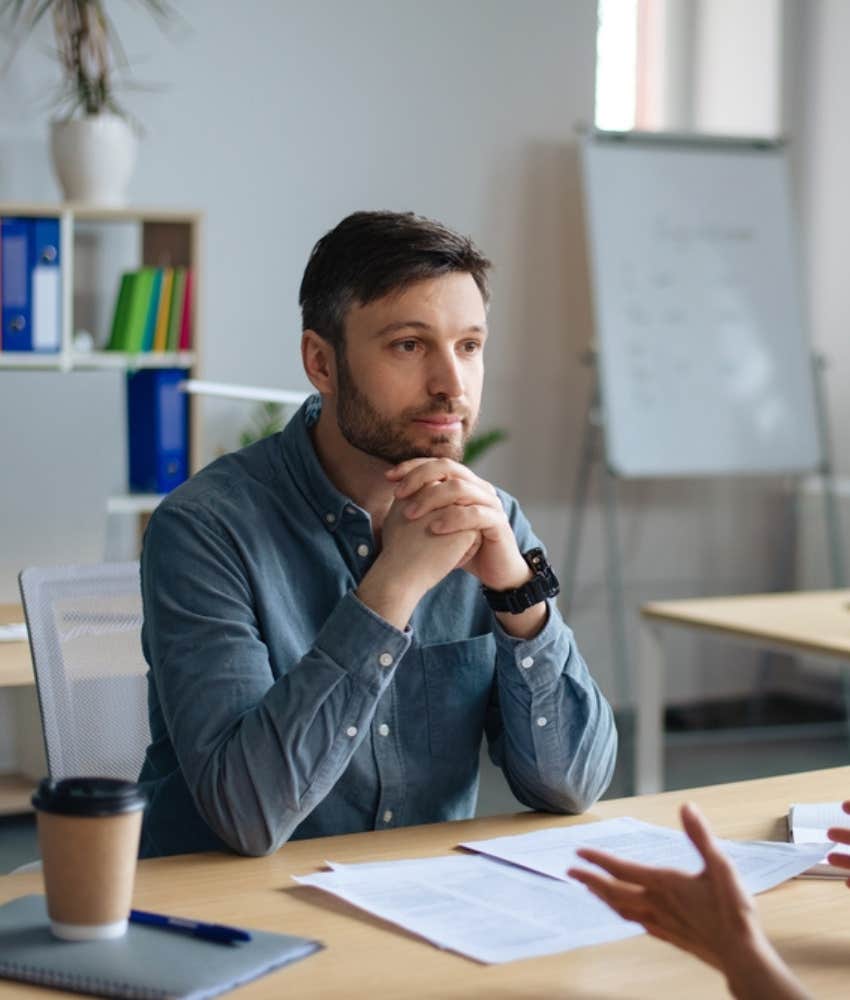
[(629, 871), (472, 518), (838, 834), (838, 859), (401, 470), (614, 892), (697, 828), (446, 493), (845, 805), (435, 470)]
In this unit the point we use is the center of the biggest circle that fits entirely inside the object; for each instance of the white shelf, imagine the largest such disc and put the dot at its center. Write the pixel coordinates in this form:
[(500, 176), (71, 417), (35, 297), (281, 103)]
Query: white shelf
[(117, 359), (31, 360), (79, 210)]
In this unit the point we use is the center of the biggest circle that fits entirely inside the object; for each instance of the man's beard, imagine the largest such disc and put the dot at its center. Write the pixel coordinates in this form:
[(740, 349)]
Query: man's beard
[(385, 438)]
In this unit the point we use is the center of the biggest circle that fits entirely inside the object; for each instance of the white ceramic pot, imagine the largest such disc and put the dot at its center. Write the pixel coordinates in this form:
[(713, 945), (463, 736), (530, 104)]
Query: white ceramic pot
[(93, 158)]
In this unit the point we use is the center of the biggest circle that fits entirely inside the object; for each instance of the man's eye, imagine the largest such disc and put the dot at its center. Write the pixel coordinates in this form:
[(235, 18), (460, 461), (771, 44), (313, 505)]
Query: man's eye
[(471, 346), (406, 346)]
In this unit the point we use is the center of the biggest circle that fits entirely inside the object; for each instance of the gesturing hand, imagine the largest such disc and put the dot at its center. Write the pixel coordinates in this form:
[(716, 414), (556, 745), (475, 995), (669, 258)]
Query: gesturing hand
[(465, 502), (710, 914), (707, 914)]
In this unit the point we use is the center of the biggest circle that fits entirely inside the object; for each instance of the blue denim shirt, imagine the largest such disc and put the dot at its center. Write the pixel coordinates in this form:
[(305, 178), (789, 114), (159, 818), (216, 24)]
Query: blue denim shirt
[(282, 707)]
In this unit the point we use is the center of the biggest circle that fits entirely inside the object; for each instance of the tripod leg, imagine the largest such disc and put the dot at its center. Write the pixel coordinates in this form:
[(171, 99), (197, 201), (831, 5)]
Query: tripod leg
[(582, 482)]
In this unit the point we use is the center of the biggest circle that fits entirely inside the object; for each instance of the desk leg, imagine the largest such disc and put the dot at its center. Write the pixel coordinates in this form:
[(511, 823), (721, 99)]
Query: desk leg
[(649, 724)]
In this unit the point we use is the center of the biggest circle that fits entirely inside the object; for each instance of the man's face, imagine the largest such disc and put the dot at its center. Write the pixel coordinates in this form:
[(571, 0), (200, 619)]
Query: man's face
[(410, 377)]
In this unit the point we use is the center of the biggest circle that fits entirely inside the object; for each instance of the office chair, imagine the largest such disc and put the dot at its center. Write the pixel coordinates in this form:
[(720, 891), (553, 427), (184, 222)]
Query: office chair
[(85, 638)]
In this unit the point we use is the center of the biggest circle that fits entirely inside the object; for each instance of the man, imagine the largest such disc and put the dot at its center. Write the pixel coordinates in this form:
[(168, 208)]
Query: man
[(324, 658)]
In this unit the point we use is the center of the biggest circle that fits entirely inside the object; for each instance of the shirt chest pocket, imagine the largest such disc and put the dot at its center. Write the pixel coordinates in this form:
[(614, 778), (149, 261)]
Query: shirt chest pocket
[(458, 681)]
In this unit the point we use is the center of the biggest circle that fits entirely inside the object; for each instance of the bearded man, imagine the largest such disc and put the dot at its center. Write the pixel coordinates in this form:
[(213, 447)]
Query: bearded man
[(336, 616)]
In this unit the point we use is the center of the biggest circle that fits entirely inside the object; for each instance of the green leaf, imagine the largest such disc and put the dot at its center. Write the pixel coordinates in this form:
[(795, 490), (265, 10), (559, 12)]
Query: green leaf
[(477, 445)]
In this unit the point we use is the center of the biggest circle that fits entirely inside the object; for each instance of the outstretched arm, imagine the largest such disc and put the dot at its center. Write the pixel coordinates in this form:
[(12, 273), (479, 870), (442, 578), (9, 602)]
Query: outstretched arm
[(710, 914)]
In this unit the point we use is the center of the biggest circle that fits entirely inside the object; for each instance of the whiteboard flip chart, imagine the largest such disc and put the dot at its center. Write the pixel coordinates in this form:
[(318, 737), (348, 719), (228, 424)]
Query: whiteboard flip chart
[(704, 364)]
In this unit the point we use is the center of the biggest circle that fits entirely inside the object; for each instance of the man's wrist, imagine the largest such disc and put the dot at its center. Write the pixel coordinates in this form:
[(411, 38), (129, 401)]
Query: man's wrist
[(389, 594), (516, 574), (527, 624)]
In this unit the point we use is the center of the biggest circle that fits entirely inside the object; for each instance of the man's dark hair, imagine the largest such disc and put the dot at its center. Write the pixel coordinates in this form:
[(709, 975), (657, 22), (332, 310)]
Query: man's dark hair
[(370, 254)]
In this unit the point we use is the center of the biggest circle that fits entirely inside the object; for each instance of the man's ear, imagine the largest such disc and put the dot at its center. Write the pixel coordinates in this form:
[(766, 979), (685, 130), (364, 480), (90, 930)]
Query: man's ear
[(319, 359)]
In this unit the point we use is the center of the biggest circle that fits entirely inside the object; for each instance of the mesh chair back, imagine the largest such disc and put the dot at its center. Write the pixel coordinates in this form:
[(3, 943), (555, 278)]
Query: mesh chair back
[(85, 636)]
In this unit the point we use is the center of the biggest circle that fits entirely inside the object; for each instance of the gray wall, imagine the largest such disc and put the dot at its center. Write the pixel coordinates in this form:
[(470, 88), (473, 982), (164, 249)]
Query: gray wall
[(279, 118)]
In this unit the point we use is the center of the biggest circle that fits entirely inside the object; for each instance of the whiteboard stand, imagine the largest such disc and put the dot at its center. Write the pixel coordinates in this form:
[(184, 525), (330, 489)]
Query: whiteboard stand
[(832, 520), (592, 454)]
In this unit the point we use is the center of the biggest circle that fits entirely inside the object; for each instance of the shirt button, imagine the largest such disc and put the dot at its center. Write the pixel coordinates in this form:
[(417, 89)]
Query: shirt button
[(526, 662), (363, 550), (385, 659), (541, 721), (384, 729), (388, 816), (330, 518), (351, 731)]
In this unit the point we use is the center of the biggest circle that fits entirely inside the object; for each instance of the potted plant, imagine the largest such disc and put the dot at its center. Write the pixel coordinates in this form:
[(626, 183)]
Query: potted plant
[(93, 142)]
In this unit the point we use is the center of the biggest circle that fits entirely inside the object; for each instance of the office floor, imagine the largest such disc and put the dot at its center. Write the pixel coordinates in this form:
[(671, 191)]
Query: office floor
[(692, 759)]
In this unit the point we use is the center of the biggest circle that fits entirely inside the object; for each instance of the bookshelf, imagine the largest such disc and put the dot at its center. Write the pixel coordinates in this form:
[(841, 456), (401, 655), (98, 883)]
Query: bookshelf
[(166, 237), (148, 237)]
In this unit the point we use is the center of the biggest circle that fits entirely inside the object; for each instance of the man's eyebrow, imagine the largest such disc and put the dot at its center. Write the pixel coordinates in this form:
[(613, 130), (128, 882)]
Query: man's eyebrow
[(417, 324)]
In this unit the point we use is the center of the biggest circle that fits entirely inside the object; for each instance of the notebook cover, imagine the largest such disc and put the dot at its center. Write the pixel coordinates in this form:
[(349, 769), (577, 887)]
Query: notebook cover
[(147, 962)]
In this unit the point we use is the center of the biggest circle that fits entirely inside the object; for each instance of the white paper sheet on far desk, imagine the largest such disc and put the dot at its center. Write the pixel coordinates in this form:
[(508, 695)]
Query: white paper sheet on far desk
[(495, 912), (760, 864)]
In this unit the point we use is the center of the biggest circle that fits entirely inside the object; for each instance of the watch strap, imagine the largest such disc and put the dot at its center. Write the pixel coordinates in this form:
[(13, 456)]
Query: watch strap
[(542, 585)]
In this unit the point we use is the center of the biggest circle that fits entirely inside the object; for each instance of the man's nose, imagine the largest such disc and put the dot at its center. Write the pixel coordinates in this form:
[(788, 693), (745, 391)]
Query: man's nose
[(444, 378)]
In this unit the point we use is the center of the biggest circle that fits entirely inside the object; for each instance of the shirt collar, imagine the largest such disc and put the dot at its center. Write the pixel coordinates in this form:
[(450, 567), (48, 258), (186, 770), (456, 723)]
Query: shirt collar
[(299, 452)]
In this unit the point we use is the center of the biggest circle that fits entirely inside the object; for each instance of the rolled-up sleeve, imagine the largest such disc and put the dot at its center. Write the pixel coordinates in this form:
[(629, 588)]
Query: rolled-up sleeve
[(550, 728), (258, 753)]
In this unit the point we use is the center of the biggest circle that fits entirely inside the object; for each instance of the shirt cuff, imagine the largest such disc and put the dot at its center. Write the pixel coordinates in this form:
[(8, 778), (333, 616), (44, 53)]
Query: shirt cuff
[(539, 660), (362, 643)]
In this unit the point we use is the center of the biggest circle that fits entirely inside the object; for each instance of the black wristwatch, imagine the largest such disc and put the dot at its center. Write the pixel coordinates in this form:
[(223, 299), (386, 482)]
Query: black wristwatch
[(543, 584)]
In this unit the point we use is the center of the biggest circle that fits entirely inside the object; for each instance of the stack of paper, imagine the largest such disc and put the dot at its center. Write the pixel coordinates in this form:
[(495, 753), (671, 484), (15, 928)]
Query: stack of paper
[(512, 899), (808, 823)]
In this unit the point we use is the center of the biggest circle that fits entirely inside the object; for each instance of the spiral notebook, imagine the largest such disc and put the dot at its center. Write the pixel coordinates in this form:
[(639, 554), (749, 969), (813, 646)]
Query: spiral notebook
[(147, 963)]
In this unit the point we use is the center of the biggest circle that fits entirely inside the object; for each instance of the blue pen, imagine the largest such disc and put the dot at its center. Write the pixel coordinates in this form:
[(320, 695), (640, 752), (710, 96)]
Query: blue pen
[(209, 932)]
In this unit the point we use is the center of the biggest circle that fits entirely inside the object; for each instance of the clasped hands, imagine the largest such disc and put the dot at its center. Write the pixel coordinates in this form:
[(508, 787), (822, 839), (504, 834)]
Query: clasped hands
[(447, 499), (443, 517)]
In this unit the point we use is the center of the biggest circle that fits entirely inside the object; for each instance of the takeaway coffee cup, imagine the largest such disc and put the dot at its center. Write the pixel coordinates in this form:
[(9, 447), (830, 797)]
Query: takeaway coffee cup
[(88, 834)]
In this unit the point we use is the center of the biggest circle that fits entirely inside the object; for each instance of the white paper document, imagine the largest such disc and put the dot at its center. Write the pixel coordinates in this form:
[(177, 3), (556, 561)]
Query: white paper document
[(760, 864), (494, 912), (482, 909)]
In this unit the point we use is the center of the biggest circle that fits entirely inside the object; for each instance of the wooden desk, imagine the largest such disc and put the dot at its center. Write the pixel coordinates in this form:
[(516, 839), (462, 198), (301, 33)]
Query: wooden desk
[(16, 672), (816, 623), (368, 958), (15, 662)]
